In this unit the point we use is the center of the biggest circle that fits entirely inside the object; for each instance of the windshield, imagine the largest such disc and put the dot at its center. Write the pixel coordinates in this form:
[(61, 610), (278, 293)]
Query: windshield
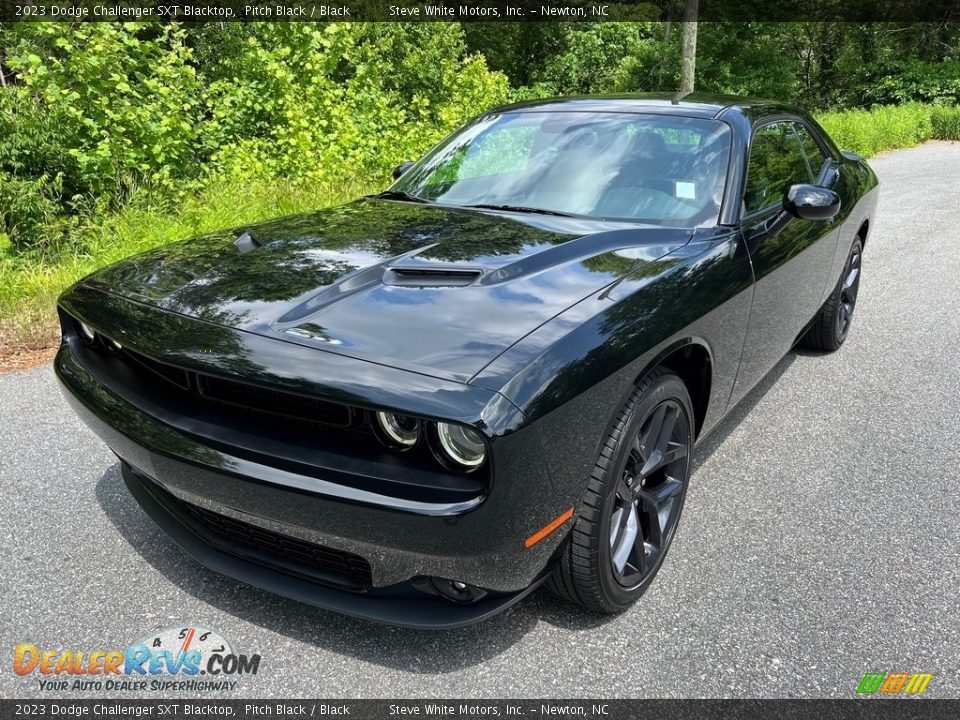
[(654, 169)]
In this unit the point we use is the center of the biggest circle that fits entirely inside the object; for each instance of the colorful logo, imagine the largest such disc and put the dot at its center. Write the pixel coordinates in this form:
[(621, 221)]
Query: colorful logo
[(894, 683), (185, 652)]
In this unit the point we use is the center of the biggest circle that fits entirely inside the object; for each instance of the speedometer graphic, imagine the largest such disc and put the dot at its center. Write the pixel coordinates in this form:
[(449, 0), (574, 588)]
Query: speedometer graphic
[(185, 638)]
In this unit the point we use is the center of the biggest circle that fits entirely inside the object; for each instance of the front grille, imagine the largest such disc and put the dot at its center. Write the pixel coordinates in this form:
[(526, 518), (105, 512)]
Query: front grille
[(282, 552), (240, 394), (169, 373), (280, 403)]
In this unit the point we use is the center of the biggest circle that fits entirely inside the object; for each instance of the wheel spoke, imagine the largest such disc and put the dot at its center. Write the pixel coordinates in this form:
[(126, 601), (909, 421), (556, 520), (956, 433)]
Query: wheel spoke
[(851, 278), (617, 526), (624, 545), (639, 558), (653, 528), (666, 430), (658, 459), (663, 492), (646, 442)]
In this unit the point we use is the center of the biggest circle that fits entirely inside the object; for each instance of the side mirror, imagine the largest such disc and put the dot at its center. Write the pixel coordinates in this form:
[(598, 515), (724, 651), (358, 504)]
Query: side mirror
[(804, 202), (810, 202), (402, 168)]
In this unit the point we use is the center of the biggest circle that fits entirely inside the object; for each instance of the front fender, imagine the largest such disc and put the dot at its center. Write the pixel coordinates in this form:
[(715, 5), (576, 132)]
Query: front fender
[(577, 370)]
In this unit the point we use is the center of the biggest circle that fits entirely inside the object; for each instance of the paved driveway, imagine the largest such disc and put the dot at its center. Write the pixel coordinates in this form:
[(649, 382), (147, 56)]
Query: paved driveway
[(821, 537)]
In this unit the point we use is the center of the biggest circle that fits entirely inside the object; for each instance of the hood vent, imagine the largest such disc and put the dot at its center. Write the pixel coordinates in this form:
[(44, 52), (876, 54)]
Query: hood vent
[(430, 277)]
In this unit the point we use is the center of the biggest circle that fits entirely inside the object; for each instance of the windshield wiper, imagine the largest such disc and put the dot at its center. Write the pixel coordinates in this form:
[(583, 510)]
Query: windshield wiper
[(400, 195), (521, 209)]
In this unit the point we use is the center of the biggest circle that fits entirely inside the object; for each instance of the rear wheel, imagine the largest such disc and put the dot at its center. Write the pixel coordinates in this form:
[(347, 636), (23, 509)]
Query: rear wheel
[(832, 323), (634, 499)]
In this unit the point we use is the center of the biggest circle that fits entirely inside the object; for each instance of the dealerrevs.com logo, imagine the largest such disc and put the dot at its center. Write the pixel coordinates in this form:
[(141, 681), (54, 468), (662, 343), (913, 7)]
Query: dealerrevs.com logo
[(189, 659)]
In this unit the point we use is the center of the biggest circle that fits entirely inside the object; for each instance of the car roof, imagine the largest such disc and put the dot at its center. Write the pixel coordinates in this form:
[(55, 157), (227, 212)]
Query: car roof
[(702, 105)]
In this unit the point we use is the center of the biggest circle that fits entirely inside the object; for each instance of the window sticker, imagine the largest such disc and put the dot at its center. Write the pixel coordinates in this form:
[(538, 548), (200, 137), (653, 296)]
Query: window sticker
[(685, 190)]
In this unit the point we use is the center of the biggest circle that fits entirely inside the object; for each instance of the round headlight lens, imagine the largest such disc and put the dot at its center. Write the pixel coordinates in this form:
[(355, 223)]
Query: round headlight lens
[(400, 431), (461, 445), (86, 332)]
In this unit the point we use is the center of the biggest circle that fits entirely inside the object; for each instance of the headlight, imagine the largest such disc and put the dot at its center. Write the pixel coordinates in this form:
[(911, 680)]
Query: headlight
[(85, 331), (113, 344), (461, 445), (398, 431)]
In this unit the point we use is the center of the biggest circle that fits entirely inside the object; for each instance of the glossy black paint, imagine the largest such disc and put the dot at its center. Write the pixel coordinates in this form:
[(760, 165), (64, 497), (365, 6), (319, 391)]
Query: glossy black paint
[(531, 329), (810, 202)]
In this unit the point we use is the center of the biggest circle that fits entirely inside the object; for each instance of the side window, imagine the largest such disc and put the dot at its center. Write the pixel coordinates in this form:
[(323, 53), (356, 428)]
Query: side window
[(814, 154), (777, 161)]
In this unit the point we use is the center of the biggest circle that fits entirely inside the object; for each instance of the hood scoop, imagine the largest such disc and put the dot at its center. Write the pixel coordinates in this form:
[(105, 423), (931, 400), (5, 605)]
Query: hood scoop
[(414, 277), (430, 277)]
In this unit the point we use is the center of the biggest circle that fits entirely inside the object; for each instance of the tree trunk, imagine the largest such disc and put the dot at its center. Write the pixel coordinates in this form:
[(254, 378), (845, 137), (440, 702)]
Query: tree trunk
[(665, 54), (689, 66)]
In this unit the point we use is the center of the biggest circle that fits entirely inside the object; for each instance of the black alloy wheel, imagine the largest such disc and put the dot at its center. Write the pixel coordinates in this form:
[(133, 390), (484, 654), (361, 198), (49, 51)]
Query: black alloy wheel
[(849, 286), (632, 506), (646, 507)]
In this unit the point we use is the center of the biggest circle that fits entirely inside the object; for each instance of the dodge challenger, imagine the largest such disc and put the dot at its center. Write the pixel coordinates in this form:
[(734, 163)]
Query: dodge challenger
[(421, 405)]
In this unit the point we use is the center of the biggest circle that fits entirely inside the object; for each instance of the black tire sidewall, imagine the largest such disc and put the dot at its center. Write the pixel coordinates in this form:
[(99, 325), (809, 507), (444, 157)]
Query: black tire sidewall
[(666, 387)]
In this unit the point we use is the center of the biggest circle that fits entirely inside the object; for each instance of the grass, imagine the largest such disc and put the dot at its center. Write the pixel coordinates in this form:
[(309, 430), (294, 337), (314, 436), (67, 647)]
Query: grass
[(869, 132), (30, 282)]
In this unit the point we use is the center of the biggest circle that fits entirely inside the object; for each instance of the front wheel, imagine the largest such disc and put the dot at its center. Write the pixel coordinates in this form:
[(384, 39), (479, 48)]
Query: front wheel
[(832, 323), (633, 501)]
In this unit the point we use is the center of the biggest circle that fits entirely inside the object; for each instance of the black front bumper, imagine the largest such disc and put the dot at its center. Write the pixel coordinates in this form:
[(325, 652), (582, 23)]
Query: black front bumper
[(402, 604)]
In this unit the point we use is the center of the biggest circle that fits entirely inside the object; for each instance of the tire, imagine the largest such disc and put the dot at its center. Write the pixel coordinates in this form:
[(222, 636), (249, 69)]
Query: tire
[(594, 569), (832, 324)]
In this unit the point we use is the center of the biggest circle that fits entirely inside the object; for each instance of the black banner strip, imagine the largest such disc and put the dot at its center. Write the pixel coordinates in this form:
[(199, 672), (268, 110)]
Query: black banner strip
[(855, 709), (477, 10)]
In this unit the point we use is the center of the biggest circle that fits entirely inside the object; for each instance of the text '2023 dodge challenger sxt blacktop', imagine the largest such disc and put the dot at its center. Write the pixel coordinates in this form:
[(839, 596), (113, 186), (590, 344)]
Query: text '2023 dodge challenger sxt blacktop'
[(420, 405)]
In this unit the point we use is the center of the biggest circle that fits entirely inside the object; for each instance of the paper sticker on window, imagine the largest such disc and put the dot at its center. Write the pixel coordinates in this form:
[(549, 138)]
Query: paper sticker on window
[(686, 190)]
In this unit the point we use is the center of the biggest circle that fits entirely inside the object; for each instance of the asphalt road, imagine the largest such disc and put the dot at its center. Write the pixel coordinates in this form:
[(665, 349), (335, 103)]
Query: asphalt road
[(821, 536)]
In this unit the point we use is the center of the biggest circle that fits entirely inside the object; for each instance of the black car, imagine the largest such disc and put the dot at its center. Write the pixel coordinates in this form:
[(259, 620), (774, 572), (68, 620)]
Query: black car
[(420, 405)]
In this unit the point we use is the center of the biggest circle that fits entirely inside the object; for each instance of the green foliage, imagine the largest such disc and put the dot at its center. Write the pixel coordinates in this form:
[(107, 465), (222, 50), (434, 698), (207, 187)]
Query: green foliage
[(945, 122), (28, 209), (764, 71), (598, 57), (98, 111), (868, 132), (123, 100), (918, 81), (887, 127)]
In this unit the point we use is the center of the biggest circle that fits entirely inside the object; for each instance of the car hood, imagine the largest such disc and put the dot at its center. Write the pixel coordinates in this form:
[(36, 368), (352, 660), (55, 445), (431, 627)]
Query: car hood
[(437, 290)]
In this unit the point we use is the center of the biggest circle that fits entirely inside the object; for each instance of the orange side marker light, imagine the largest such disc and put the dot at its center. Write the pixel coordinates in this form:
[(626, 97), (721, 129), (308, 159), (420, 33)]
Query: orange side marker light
[(548, 528)]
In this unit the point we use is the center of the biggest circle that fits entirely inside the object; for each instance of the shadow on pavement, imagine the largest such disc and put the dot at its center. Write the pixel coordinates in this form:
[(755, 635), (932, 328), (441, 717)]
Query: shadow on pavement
[(716, 437)]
